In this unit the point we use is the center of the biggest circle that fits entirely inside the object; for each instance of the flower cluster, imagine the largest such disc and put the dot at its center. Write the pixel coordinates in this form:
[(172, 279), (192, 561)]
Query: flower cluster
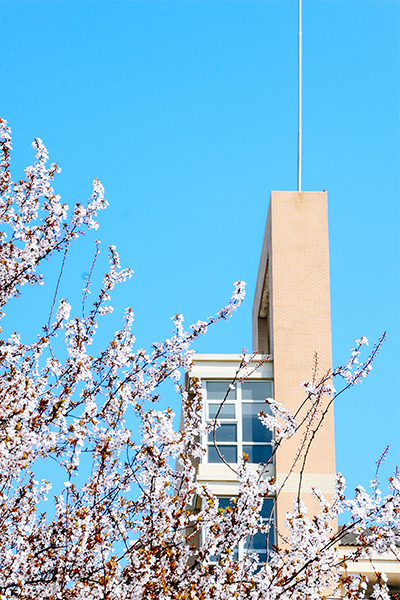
[(354, 371)]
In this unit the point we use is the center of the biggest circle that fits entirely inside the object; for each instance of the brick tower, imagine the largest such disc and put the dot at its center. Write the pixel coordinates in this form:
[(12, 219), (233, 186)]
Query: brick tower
[(291, 321)]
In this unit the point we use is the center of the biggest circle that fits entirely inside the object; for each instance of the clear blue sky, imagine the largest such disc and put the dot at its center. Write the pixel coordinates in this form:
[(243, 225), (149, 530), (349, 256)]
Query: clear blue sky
[(187, 112)]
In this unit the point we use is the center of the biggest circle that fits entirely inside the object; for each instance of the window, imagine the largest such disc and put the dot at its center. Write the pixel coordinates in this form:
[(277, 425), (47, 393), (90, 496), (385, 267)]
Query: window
[(240, 430), (258, 542), (224, 502), (262, 542)]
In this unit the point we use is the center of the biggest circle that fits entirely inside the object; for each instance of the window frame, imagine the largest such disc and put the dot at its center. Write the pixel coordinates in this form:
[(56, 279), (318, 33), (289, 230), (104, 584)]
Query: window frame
[(238, 402), (242, 551)]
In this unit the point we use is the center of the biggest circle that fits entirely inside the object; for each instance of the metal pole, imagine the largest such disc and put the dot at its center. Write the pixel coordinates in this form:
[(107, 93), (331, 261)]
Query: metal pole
[(300, 103)]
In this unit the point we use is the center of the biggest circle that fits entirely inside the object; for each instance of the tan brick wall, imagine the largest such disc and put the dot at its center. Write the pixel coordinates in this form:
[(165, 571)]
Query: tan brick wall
[(296, 251)]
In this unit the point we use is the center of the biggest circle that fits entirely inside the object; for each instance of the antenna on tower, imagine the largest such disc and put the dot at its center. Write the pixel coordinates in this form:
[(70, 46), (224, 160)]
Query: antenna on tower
[(299, 143)]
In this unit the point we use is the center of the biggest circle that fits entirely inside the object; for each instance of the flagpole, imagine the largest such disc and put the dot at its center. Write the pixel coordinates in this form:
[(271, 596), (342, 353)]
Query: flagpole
[(299, 144)]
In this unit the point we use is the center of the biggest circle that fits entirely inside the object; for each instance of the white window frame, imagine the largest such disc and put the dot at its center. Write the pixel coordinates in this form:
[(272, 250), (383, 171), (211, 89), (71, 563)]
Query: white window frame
[(238, 402), (242, 551)]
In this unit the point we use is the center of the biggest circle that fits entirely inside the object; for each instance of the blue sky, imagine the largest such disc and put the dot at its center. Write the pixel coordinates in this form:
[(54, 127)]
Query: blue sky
[(187, 112)]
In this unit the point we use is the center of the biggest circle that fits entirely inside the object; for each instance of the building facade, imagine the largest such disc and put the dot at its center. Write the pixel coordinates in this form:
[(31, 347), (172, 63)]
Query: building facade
[(292, 340), (292, 334)]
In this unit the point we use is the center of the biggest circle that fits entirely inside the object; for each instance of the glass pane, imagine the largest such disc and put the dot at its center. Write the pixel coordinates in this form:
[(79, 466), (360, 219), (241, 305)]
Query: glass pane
[(256, 390), (217, 557), (228, 452), (257, 542), (253, 429), (260, 543), (258, 454), (225, 433), (227, 411), (224, 502), (216, 390), (267, 508)]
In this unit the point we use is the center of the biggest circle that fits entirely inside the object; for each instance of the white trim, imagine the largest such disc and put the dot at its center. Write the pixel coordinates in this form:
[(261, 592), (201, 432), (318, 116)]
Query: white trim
[(224, 366)]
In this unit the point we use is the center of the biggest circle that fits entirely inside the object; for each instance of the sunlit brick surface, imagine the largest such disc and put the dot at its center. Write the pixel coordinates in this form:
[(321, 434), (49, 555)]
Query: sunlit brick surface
[(296, 251)]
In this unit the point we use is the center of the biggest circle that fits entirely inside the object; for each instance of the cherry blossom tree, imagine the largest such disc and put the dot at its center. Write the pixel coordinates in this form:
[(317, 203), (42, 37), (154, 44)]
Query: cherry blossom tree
[(121, 526)]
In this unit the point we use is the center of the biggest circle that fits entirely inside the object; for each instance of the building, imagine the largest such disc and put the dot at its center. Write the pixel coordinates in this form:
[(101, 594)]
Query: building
[(292, 336), (291, 324)]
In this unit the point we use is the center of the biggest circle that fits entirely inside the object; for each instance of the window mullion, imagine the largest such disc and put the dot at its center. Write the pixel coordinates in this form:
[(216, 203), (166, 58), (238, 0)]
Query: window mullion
[(239, 420), (204, 457)]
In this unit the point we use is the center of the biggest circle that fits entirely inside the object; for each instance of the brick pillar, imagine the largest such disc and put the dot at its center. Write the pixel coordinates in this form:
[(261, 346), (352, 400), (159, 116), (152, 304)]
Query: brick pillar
[(291, 320)]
